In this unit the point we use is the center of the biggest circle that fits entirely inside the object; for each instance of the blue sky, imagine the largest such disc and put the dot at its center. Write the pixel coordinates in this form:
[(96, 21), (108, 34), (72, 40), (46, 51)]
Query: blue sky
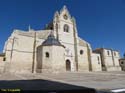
[(100, 22)]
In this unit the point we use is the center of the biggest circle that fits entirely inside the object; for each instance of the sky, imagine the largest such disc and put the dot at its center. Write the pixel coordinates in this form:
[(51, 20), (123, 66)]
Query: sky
[(99, 22)]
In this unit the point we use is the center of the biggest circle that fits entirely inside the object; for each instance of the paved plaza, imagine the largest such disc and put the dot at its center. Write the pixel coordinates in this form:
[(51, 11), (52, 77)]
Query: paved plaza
[(97, 80)]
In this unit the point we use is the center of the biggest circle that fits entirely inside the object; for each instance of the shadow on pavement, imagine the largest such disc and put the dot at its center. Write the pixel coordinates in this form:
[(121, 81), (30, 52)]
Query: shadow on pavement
[(45, 86)]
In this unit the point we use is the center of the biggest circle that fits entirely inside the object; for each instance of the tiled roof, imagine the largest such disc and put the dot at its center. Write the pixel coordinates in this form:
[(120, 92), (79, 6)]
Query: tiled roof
[(51, 40)]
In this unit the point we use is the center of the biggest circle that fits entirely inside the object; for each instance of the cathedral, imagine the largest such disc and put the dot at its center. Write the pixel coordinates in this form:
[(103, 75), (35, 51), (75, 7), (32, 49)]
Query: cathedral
[(57, 48)]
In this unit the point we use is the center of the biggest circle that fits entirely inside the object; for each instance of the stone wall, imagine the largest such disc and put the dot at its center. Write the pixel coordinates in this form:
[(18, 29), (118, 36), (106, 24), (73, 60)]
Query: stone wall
[(122, 63), (96, 62), (2, 66), (58, 63), (111, 60), (54, 62), (83, 59), (21, 42), (1, 58)]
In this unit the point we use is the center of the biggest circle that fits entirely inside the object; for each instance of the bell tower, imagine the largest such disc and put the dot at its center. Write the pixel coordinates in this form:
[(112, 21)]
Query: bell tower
[(65, 31), (64, 26)]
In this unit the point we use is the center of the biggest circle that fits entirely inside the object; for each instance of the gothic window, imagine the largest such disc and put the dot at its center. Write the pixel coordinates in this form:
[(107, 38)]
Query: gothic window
[(47, 55), (66, 28), (81, 52)]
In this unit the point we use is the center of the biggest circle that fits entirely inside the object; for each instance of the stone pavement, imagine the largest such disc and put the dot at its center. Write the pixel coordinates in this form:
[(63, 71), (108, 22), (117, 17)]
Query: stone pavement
[(97, 80), (108, 80)]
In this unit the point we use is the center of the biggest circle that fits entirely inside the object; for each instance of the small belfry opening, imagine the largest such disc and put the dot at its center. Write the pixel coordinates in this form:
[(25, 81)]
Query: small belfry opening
[(68, 65)]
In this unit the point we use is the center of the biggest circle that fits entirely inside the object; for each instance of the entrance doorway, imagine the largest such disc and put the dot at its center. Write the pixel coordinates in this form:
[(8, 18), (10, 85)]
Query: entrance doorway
[(68, 65)]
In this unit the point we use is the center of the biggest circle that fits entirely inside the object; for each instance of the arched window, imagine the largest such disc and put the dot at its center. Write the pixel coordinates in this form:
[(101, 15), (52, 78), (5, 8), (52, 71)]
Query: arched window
[(81, 52), (66, 28), (47, 54)]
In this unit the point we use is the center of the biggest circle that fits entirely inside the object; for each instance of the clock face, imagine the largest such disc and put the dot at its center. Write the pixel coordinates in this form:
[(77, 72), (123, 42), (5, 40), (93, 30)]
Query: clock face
[(65, 17)]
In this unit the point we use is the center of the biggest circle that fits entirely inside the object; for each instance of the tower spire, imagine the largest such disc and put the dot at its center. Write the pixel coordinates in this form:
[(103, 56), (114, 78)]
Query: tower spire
[(64, 8)]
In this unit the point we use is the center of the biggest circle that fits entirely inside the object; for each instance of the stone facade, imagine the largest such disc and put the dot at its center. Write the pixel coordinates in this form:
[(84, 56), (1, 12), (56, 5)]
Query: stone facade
[(2, 64), (96, 62), (122, 63), (2, 57), (27, 52), (110, 59)]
